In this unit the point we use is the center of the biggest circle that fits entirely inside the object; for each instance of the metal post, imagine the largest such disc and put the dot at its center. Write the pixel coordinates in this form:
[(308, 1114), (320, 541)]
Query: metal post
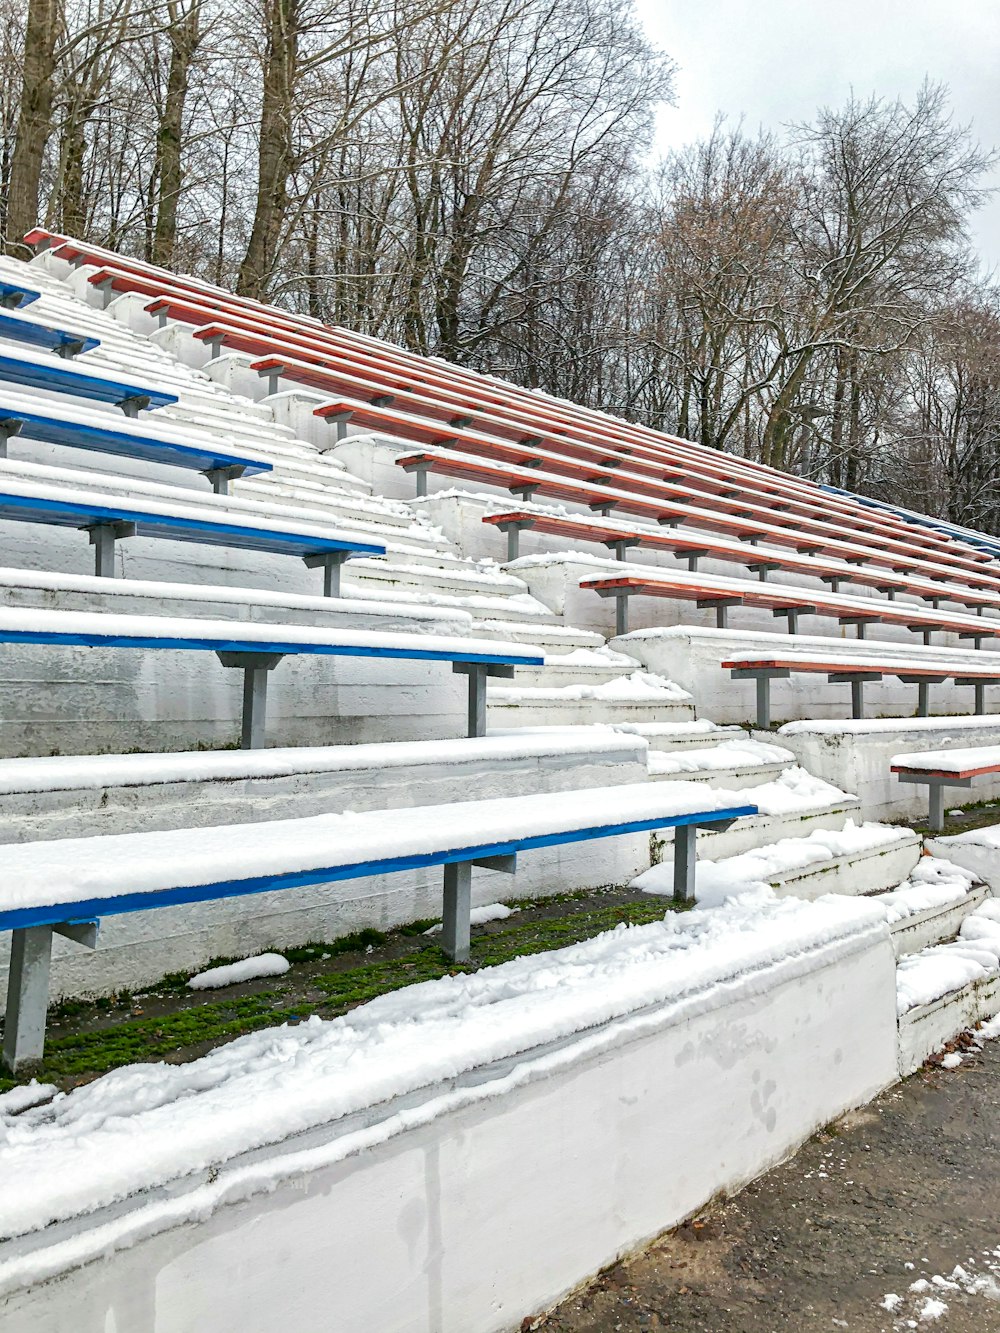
[(926, 635), (102, 538), (27, 996), (68, 350), (255, 667), (220, 477), (722, 616), (421, 482), (132, 406), (861, 629), (456, 925), (621, 614), (793, 620), (980, 704), (477, 699), (513, 540), (923, 698), (620, 549), (935, 803), (764, 702), (693, 563), (685, 861), (857, 699)]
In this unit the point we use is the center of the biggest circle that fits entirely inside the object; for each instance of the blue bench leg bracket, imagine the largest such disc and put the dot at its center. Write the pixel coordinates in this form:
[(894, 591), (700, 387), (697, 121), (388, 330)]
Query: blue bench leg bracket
[(27, 996), (255, 668), (456, 931)]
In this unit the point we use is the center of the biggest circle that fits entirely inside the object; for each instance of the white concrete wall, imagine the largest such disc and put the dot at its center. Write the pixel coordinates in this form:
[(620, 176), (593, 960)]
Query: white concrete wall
[(139, 948), (858, 758), (531, 1176)]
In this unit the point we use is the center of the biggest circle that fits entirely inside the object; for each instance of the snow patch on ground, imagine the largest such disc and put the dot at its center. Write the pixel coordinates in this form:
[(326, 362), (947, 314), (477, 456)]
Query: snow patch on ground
[(478, 916), (247, 969)]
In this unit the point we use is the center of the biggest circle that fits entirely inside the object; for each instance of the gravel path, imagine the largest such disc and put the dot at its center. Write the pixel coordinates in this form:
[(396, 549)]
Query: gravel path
[(900, 1192)]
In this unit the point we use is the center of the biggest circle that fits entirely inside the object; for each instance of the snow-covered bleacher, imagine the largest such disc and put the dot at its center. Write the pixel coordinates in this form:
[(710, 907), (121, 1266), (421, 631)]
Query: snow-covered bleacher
[(635, 696)]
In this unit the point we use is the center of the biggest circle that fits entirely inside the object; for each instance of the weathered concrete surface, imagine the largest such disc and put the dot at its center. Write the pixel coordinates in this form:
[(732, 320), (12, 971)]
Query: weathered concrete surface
[(818, 1243)]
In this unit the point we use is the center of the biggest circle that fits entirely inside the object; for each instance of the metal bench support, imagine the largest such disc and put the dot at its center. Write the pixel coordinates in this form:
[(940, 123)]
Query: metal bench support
[(513, 531), (456, 927), (28, 988), (762, 679), (220, 477), (331, 563), (477, 673), (255, 667), (103, 537), (935, 794)]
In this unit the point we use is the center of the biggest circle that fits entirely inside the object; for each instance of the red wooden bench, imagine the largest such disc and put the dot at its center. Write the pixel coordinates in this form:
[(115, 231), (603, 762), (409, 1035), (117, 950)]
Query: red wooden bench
[(937, 770)]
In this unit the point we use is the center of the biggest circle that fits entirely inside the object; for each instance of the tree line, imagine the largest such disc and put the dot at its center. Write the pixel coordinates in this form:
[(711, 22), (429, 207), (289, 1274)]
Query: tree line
[(472, 179)]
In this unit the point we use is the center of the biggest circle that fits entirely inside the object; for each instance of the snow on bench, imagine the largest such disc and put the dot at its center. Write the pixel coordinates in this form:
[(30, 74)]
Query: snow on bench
[(108, 520), (257, 648), (67, 884), (78, 427), (856, 671), (937, 769), (620, 537), (782, 600), (808, 537), (20, 328), (52, 374)]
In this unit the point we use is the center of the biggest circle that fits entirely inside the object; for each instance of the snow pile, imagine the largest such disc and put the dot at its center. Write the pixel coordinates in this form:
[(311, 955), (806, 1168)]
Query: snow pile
[(924, 977), (247, 969), (748, 872), (729, 754), (146, 1125), (925, 1303), (601, 657), (933, 882), (478, 916)]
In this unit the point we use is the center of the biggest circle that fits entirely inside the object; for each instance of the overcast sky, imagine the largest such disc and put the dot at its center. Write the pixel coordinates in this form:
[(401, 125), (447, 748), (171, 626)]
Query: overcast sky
[(775, 61)]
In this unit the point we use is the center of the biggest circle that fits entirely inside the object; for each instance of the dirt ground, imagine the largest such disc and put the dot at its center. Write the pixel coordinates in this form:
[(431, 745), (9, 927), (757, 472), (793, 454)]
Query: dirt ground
[(896, 1194)]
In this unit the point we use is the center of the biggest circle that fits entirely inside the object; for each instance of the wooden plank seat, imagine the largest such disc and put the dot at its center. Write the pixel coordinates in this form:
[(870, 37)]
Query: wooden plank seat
[(256, 648), (528, 482), (856, 672), (13, 295), (622, 537), (52, 374), (937, 769), (785, 600), (109, 520), (77, 427), (657, 441), (20, 328), (68, 885)]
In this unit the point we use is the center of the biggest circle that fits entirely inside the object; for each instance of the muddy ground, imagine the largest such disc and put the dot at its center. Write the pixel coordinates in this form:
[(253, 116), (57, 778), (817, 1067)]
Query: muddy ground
[(898, 1193)]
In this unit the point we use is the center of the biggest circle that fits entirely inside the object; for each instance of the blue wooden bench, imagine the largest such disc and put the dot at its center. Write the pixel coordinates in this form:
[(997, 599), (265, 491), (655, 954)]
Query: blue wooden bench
[(12, 294), (76, 428), (24, 329), (257, 647), (53, 375), (108, 520), (68, 885)]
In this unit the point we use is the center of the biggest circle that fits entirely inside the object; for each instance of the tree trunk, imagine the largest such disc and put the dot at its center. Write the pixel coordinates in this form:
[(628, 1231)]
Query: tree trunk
[(34, 122), (275, 158), (184, 37)]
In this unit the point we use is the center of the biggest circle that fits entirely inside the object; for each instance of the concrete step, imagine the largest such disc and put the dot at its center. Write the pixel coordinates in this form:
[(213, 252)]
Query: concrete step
[(934, 925), (465, 579), (854, 860), (335, 505), (634, 698), (667, 737), (793, 805), (583, 666), (735, 764), (552, 638)]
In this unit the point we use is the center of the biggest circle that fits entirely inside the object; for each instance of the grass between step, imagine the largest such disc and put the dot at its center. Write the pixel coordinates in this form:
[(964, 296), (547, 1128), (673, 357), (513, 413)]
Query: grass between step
[(87, 1039)]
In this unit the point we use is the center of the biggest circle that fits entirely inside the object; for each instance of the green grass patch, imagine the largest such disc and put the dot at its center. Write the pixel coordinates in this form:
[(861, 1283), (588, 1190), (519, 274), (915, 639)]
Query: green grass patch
[(139, 1038)]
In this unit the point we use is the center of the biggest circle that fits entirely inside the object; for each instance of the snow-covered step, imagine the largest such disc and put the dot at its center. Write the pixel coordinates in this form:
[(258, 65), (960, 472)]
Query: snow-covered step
[(736, 764), (857, 859), (553, 639), (636, 697), (335, 505), (793, 805), (583, 666), (670, 736), (468, 579), (948, 987)]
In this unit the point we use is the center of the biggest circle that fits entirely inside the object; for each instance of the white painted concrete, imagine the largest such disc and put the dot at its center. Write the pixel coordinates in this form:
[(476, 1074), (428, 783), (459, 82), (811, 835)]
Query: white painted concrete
[(926, 1029), (858, 758), (581, 1153)]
